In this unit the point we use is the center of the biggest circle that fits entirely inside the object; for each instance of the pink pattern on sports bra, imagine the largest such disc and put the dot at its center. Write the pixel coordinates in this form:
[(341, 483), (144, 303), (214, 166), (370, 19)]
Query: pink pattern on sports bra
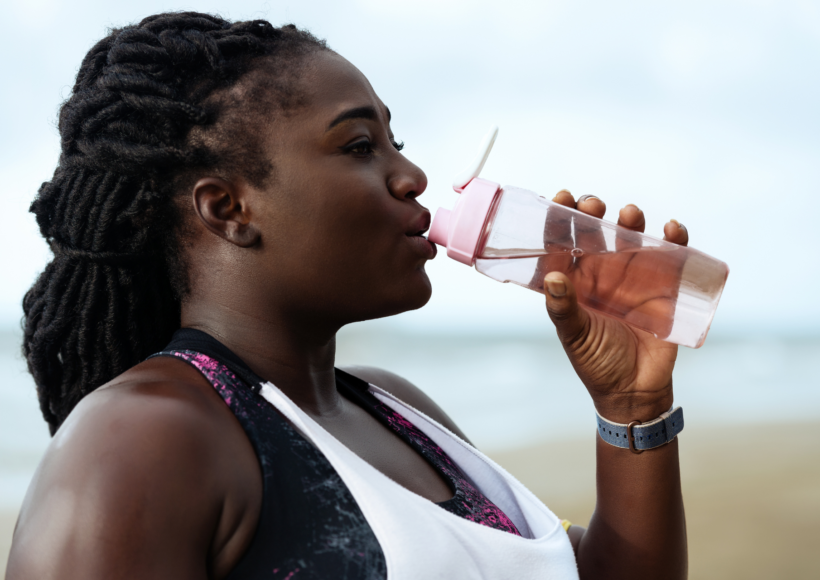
[(468, 502)]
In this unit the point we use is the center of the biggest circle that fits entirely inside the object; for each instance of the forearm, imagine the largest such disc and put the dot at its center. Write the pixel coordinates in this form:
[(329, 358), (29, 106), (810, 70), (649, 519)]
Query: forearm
[(638, 528)]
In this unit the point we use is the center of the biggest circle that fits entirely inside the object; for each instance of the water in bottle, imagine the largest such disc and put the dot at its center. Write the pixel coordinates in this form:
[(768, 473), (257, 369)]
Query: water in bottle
[(514, 235)]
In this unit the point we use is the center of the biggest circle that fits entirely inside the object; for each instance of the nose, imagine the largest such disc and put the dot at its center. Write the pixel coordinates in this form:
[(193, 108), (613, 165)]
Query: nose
[(408, 181)]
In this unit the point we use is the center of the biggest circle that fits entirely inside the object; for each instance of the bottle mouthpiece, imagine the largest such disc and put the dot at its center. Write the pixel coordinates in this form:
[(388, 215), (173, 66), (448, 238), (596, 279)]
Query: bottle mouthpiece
[(440, 227)]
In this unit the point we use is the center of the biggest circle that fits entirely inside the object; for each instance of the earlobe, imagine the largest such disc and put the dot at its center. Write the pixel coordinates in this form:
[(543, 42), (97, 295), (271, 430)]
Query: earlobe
[(222, 207)]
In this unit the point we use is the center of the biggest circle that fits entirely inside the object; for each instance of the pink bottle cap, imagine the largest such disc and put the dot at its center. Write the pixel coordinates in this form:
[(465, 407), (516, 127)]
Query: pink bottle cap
[(460, 229)]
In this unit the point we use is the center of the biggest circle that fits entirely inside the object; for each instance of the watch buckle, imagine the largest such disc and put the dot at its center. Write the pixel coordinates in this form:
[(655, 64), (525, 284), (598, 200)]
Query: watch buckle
[(631, 438)]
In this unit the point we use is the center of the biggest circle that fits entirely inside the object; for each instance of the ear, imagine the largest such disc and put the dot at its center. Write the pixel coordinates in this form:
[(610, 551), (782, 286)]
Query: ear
[(224, 209)]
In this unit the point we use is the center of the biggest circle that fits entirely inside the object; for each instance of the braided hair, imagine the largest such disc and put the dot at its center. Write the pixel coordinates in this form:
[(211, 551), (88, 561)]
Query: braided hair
[(151, 106)]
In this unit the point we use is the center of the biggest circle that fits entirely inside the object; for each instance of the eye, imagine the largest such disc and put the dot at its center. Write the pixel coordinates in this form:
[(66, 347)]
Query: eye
[(399, 145), (361, 148)]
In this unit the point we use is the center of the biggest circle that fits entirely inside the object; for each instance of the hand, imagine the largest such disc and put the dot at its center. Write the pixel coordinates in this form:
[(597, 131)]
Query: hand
[(627, 371)]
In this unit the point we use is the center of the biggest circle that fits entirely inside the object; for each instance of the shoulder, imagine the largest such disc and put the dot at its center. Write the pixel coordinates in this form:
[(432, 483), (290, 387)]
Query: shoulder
[(406, 391), (161, 411), (142, 419), (137, 477)]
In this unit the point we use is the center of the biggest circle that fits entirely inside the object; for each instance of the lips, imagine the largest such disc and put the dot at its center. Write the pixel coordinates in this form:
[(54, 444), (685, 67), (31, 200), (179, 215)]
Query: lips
[(415, 234), (420, 225)]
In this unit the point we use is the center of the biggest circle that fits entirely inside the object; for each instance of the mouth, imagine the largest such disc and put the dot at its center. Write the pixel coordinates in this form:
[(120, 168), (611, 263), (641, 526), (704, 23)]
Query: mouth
[(416, 234)]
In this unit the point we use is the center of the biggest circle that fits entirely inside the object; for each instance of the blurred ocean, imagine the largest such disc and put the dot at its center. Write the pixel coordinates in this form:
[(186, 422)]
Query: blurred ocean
[(503, 391)]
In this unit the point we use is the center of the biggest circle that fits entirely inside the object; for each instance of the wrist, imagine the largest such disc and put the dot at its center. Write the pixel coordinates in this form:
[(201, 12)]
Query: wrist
[(627, 407)]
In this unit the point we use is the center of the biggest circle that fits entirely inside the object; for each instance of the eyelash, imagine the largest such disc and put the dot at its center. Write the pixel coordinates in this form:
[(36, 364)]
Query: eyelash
[(399, 145)]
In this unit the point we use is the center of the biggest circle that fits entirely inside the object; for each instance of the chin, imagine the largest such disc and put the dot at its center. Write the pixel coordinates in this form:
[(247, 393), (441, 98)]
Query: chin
[(422, 290), (411, 295), (420, 298)]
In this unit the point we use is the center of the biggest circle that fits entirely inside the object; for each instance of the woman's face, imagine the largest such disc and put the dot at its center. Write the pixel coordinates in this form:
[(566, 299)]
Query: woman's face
[(340, 222)]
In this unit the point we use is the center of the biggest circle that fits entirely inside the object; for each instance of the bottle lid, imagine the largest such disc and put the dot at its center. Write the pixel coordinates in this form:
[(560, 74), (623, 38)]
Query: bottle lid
[(474, 169), (460, 229)]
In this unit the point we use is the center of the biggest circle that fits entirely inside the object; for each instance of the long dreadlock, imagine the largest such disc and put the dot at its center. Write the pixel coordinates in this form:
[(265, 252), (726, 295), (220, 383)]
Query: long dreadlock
[(144, 113)]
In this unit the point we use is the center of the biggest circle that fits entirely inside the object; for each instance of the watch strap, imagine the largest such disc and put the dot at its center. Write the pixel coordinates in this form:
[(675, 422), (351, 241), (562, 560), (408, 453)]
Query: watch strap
[(645, 436)]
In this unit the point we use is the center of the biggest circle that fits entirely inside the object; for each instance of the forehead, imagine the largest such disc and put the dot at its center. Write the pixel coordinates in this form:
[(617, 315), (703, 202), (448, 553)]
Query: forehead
[(330, 85)]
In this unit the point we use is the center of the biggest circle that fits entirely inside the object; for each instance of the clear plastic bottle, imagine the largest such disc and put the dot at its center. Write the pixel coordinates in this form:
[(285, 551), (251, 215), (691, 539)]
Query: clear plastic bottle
[(514, 235)]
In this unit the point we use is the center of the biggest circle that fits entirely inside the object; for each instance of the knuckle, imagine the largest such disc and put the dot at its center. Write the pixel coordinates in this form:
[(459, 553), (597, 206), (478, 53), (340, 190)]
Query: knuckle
[(559, 315)]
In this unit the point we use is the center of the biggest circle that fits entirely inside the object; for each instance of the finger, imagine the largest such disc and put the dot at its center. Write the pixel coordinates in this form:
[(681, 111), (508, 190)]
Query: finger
[(591, 205), (589, 235), (676, 232), (571, 321), (564, 197), (630, 218), (557, 238), (558, 224)]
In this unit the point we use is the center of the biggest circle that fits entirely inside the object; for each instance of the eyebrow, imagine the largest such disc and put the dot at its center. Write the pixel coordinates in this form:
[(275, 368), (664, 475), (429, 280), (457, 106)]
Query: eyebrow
[(367, 112)]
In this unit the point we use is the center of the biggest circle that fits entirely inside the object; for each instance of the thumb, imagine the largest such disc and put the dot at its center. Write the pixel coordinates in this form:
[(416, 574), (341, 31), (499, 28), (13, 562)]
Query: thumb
[(571, 321)]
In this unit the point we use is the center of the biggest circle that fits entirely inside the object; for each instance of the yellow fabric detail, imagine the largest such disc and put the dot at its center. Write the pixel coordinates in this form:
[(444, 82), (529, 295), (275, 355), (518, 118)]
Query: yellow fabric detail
[(566, 524)]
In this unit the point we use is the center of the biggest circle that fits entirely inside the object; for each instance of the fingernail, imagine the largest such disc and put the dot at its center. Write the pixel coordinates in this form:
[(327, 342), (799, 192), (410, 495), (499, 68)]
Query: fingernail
[(556, 288), (559, 193), (677, 223), (633, 205), (586, 197)]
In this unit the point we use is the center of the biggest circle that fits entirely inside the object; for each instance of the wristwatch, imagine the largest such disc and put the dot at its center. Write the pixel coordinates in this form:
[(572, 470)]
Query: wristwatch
[(637, 436)]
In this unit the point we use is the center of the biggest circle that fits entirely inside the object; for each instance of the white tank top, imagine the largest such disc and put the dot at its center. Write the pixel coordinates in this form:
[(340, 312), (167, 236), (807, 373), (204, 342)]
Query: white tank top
[(420, 540)]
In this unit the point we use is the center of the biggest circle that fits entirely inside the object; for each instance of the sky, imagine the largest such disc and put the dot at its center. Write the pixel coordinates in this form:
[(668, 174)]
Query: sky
[(706, 112)]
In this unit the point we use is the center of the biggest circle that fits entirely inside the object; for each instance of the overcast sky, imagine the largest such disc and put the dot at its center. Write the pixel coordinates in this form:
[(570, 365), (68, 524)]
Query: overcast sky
[(703, 111)]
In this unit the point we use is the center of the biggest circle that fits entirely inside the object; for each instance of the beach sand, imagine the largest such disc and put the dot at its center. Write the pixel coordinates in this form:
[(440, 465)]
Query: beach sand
[(752, 496)]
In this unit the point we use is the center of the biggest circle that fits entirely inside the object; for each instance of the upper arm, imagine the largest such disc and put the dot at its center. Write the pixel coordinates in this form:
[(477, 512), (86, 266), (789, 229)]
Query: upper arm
[(126, 489), (407, 392)]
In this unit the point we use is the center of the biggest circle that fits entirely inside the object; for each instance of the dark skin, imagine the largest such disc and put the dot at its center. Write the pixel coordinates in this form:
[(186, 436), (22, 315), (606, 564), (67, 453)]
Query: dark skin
[(152, 476)]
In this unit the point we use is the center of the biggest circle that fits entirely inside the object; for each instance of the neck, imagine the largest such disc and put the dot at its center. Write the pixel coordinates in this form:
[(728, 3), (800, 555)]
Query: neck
[(296, 356)]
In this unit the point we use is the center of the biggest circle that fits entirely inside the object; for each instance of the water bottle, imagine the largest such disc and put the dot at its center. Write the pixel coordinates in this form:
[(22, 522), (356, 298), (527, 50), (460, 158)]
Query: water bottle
[(514, 235)]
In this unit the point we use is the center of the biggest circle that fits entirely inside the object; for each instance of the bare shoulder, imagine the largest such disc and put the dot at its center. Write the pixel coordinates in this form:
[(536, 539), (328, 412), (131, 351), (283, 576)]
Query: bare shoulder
[(135, 482), (146, 418), (403, 389)]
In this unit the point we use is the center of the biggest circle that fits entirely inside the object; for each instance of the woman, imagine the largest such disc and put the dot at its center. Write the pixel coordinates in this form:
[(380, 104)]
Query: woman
[(229, 195)]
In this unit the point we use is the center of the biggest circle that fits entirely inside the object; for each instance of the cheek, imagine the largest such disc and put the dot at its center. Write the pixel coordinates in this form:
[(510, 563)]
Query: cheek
[(362, 226), (353, 235), (375, 260), (337, 240)]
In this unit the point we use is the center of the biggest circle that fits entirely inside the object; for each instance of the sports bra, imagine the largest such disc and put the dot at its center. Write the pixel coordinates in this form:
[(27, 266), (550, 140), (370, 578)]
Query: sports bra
[(313, 524)]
